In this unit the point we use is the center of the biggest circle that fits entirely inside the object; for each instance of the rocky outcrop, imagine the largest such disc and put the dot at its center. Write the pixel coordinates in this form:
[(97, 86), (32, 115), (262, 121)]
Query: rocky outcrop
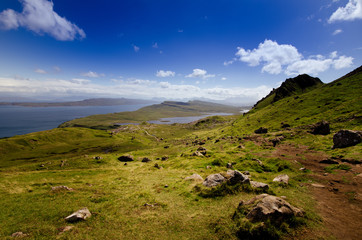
[(346, 138), (320, 128), (265, 207), (214, 180), (126, 158), (283, 178), (79, 215)]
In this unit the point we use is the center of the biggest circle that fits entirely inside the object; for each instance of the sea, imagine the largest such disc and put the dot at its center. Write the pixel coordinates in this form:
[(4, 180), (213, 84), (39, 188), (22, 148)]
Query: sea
[(18, 120)]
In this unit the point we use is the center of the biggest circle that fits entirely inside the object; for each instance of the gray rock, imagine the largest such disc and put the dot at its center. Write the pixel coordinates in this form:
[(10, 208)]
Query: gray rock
[(195, 177), (214, 180), (19, 235), (266, 207), (79, 215), (259, 185), (234, 177), (346, 138), (284, 178), (126, 158), (197, 154)]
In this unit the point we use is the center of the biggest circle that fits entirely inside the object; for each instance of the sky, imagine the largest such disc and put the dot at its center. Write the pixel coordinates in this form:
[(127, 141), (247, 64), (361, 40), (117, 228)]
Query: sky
[(232, 50)]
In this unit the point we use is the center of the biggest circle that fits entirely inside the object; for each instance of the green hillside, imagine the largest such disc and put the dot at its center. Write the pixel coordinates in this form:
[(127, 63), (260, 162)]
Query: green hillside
[(153, 199)]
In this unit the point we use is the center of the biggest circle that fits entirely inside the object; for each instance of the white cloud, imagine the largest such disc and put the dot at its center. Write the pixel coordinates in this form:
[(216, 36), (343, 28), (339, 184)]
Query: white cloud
[(40, 71), (223, 79), (92, 74), (57, 69), (155, 45), (200, 73), (131, 88), (136, 48), (350, 12), (38, 16), (163, 73), (277, 58), (338, 31)]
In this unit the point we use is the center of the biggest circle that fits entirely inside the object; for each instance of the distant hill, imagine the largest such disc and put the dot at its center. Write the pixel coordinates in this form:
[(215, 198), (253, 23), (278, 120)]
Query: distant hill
[(292, 86), (154, 112), (86, 102), (339, 102)]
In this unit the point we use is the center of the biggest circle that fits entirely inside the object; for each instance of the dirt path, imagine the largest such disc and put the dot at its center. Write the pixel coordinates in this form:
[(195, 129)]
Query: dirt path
[(338, 195)]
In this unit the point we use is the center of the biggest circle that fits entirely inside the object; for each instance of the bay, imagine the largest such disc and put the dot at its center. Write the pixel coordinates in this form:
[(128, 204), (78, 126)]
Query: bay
[(18, 120)]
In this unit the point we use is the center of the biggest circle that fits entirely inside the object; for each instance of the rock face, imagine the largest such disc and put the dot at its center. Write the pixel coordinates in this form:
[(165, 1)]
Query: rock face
[(282, 178), (126, 158), (266, 207), (321, 128), (195, 177), (261, 130), (346, 138), (235, 177), (214, 180), (259, 185), (79, 215)]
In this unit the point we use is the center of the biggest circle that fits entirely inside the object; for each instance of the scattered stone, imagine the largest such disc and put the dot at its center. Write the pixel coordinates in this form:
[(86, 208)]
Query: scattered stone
[(346, 138), (318, 185), (201, 149), (79, 215), (234, 177), (166, 186), (241, 147), (246, 173), (217, 140), (359, 175), (214, 180), (126, 158), (195, 177), (208, 167), (229, 165), (320, 128), (164, 158), (302, 169), (284, 178), (146, 159), (125, 164), (65, 229), (165, 147), (325, 174), (265, 207), (329, 161), (157, 166), (285, 125), (59, 188), (259, 185), (261, 130), (98, 158), (197, 154), (258, 161), (19, 235)]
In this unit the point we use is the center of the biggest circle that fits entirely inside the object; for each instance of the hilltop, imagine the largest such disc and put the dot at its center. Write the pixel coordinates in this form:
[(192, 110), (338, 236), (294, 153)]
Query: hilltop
[(156, 194)]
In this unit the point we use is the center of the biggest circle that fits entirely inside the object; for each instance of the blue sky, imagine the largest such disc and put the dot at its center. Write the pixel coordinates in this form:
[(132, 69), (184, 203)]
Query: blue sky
[(228, 49)]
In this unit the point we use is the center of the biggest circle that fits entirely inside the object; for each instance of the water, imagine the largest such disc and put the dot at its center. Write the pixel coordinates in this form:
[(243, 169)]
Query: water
[(186, 119), (17, 120)]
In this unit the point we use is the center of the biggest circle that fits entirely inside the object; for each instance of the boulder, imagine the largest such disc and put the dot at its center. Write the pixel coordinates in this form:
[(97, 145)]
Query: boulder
[(214, 180), (265, 207), (195, 177), (321, 128), (126, 158), (79, 215), (284, 178), (259, 185), (346, 138), (235, 177), (261, 130), (146, 159), (19, 235)]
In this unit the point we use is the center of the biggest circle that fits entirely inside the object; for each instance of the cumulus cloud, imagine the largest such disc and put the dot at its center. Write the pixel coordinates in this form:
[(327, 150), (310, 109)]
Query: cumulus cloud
[(277, 58), (338, 31), (350, 12), (92, 74), (163, 73), (130, 88), (38, 16), (200, 73), (40, 71)]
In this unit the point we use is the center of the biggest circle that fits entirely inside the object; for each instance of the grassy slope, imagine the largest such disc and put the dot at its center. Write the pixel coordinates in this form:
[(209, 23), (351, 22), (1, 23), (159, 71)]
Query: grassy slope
[(115, 193), (154, 112)]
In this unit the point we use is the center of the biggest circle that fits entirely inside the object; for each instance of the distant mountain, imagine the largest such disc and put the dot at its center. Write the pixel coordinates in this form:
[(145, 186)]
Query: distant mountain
[(291, 86), (86, 102)]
